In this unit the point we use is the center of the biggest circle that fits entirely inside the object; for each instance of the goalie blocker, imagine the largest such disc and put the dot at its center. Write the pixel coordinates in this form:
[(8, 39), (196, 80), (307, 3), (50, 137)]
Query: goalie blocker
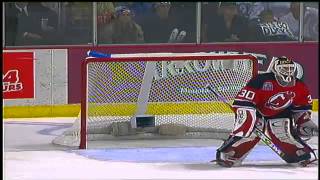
[(278, 105)]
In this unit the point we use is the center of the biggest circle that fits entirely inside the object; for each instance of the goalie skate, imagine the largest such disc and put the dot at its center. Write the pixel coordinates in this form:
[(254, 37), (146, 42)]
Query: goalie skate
[(309, 163)]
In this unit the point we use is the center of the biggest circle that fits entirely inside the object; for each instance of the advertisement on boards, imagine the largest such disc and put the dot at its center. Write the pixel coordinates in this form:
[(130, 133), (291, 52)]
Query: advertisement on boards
[(18, 75), (305, 54)]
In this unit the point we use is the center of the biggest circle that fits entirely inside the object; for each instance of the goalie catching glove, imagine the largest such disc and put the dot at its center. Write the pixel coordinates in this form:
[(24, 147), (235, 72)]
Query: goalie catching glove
[(305, 127)]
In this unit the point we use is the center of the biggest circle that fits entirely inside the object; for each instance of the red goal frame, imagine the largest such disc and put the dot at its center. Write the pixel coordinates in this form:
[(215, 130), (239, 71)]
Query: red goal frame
[(83, 116)]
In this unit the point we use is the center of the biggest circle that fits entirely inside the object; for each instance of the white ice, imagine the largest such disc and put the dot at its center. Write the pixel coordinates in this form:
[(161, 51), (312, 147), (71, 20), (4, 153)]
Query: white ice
[(29, 154)]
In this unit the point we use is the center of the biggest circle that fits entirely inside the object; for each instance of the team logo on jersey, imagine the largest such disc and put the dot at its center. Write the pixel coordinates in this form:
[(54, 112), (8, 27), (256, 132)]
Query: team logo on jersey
[(267, 86), (280, 100)]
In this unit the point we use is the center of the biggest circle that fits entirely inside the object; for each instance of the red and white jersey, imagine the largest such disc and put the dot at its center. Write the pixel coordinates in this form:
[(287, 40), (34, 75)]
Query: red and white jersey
[(272, 100)]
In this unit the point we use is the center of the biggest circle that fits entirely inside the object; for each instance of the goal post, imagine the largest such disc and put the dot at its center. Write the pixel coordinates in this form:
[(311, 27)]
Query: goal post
[(157, 95)]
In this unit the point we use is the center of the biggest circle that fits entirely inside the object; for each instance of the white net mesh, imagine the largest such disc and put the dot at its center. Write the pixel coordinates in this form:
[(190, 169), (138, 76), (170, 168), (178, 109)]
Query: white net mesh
[(177, 96)]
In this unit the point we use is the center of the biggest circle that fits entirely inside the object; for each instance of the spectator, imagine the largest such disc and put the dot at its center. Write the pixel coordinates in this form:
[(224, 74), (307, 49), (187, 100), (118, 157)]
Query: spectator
[(269, 29), (105, 12), (311, 24), (292, 18), (209, 12), (158, 26), (250, 10), (140, 9), (228, 26), (78, 25), (184, 16), (266, 16), (33, 24), (54, 6), (11, 23), (123, 29), (278, 9)]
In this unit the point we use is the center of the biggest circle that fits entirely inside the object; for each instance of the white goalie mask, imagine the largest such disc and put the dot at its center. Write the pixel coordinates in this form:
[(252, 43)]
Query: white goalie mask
[(285, 69)]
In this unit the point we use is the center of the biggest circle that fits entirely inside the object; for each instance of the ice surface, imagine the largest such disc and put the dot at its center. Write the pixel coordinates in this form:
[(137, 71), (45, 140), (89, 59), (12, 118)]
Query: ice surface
[(29, 154)]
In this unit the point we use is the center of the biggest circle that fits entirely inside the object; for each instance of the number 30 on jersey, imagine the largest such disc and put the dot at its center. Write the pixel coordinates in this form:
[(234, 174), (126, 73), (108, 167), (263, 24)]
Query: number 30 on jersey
[(246, 94)]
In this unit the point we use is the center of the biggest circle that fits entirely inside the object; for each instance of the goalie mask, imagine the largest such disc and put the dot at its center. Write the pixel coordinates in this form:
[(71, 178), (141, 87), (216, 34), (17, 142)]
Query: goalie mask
[(285, 69)]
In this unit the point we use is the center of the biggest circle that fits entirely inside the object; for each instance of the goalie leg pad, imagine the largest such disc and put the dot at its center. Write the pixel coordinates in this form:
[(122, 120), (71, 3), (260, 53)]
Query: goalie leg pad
[(244, 123), (280, 132), (234, 150)]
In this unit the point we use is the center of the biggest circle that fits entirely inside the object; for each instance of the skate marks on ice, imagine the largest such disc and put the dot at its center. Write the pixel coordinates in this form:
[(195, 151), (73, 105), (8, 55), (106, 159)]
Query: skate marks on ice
[(171, 154), (251, 166), (33, 134), (252, 170), (34, 158), (26, 165)]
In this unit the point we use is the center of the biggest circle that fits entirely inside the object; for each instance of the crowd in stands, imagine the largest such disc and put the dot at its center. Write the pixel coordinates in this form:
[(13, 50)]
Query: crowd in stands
[(34, 23), (29, 23)]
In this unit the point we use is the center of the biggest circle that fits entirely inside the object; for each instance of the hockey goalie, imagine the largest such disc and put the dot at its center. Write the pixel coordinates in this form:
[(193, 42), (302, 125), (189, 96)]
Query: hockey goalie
[(278, 105)]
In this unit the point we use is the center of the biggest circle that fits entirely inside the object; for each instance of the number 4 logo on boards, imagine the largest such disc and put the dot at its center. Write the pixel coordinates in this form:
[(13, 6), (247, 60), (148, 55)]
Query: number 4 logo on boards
[(11, 81)]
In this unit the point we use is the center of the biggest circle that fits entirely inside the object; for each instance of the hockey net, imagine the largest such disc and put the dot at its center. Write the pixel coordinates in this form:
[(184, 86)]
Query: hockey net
[(158, 95)]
